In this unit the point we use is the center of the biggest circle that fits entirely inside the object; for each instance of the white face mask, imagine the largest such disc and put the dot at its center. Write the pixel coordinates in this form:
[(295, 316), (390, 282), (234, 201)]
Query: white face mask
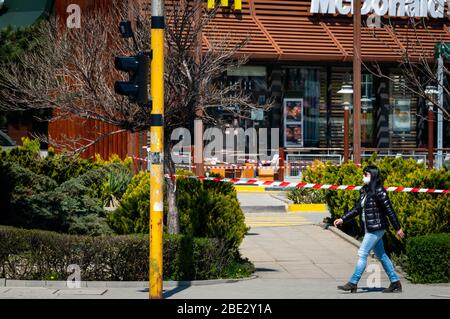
[(366, 179)]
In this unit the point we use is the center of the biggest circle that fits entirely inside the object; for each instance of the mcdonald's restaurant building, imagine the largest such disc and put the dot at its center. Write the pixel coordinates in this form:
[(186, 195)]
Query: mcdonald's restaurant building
[(301, 55)]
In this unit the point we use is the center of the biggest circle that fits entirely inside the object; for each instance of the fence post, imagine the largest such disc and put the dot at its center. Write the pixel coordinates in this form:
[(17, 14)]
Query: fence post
[(281, 169)]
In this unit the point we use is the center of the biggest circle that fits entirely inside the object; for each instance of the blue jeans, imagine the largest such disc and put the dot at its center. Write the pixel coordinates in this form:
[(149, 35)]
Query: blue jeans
[(373, 240)]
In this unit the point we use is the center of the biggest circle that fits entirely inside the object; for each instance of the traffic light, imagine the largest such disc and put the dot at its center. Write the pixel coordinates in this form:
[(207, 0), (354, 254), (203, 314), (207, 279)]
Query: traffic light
[(137, 87)]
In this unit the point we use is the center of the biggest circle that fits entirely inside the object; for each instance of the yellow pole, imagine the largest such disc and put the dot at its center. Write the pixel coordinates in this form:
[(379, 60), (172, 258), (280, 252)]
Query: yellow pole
[(156, 151)]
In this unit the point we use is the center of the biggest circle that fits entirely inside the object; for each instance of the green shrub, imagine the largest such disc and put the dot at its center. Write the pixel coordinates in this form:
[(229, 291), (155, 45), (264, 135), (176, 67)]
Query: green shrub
[(115, 187), (58, 193), (428, 258), (35, 201), (208, 209), (132, 216), (305, 196), (418, 213), (40, 255), (57, 167), (18, 185)]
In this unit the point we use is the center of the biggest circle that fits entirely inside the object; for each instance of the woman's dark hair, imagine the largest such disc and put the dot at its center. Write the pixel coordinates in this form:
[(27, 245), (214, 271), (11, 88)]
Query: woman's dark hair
[(375, 180)]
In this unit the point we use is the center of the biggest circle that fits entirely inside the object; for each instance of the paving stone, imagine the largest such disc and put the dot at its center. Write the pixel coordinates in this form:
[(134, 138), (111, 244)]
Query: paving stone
[(82, 291)]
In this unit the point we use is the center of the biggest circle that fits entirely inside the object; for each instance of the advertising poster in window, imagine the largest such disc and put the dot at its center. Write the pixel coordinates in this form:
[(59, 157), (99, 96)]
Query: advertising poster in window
[(402, 116), (293, 122)]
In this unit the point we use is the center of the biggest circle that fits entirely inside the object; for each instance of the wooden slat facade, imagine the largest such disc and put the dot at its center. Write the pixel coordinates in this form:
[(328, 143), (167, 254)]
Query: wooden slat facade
[(282, 31), (82, 130)]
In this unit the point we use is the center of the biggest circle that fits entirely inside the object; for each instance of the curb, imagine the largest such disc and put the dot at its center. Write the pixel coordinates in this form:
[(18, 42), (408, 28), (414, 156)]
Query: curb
[(115, 284), (249, 188), (307, 208), (343, 235), (282, 198), (171, 284), (264, 209)]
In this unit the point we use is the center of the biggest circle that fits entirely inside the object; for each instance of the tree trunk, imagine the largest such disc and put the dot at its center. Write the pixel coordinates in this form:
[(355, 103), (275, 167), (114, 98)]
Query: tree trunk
[(173, 218)]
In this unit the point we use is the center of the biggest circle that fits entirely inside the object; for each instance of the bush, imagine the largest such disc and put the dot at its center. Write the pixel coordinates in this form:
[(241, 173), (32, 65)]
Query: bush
[(305, 196), (36, 201), (418, 213), (58, 193), (57, 167), (428, 258), (210, 209), (207, 209), (18, 185), (40, 255), (115, 187), (132, 216)]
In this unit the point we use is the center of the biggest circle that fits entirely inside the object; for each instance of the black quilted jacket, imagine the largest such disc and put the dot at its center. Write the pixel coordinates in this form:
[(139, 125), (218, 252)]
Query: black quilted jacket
[(378, 210)]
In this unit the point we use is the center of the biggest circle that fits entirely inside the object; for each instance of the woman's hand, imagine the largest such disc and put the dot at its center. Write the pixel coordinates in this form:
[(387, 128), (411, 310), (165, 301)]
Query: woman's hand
[(400, 233), (338, 222)]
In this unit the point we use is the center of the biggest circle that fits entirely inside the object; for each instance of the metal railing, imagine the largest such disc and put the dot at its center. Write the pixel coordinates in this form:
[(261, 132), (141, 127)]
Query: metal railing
[(295, 163), (183, 160)]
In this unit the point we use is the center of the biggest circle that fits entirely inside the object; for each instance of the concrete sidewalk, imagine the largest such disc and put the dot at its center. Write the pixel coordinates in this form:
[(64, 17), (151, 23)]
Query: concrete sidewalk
[(260, 203), (294, 258), (292, 262)]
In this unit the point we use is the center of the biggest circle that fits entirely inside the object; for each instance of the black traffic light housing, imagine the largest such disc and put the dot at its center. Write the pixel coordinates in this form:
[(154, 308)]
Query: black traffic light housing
[(138, 69)]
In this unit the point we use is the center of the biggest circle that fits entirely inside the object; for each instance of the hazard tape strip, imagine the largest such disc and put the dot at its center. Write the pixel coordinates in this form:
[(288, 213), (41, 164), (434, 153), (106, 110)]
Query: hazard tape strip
[(250, 181)]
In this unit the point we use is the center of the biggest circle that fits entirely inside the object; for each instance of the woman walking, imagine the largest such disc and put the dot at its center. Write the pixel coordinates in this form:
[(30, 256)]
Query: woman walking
[(375, 209)]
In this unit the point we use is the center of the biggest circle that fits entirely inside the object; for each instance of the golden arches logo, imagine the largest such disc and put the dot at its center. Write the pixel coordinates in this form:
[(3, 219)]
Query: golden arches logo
[(237, 4)]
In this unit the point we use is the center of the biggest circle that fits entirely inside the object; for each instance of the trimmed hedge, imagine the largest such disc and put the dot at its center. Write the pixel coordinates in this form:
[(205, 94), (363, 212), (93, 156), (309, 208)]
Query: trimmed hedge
[(428, 258), (43, 255)]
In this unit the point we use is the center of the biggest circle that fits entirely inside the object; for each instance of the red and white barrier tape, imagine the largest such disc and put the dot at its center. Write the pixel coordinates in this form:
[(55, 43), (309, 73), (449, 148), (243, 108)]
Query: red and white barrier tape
[(250, 181)]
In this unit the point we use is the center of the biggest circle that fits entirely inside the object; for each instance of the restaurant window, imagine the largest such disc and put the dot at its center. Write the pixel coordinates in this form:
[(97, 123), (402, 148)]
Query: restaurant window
[(342, 79), (302, 97), (252, 81), (402, 119), (367, 114)]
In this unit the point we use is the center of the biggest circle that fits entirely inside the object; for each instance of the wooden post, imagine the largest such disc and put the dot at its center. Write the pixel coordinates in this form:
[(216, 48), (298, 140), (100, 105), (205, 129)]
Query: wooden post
[(346, 110), (281, 161), (199, 168), (357, 81), (430, 137)]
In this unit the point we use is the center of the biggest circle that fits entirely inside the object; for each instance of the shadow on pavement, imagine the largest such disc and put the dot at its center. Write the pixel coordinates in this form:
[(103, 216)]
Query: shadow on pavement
[(252, 234), (374, 289), (180, 287), (264, 269)]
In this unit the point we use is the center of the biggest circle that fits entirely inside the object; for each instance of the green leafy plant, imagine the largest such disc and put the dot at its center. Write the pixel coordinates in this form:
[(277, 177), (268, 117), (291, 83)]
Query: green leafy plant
[(207, 209), (116, 185), (428, 258), (132, 216), (305, 196)]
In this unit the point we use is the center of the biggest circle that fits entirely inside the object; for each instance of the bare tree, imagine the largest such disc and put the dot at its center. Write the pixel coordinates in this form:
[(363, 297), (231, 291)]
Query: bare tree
[(417, 63), (72, 72)]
